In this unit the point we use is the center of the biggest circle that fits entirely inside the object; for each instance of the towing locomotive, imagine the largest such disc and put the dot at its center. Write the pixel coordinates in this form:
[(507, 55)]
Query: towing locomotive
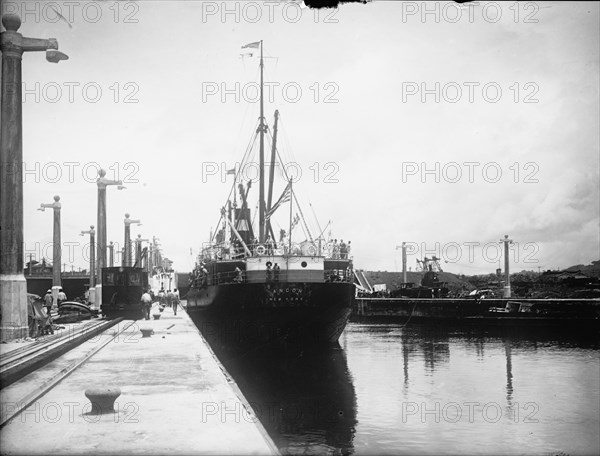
[(122, 288)]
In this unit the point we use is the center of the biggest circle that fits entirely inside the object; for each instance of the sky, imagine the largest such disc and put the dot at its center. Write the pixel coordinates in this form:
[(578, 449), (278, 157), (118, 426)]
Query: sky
[(446, 128)]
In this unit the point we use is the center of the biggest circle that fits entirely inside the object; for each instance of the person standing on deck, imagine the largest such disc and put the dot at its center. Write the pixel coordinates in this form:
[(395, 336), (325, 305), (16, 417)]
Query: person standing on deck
[(343, 250), (269, 243), (276, 270), (269, 271), (204, 278), (238, 275), (336, 250)]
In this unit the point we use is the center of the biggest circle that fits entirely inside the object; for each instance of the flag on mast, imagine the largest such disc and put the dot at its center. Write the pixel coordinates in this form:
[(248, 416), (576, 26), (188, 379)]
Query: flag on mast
[(295, 221), (284, 198), (254, 45)]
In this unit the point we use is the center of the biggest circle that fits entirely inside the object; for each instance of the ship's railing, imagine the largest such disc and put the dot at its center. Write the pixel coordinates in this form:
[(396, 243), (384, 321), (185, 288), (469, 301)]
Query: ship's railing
[(218, 278), (227, 251), (339, 275)]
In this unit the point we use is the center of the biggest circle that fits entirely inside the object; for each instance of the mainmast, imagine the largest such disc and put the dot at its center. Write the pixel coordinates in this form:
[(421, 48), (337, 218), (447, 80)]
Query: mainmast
[(269, 229), (261, 127)]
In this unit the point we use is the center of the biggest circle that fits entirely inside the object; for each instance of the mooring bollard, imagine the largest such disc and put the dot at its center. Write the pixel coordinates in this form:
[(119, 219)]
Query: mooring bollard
[(156, 316), (147, 332), (102, 399)]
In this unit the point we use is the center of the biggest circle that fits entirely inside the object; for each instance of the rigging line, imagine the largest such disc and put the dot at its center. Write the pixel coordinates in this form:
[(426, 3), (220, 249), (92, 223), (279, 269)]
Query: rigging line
[(316, 219), (321, 234), (293, 160), (286, 139), (276, 148), (255, 211), (304, 231), (302, 217), (294, 195), (248, 147), (248, 105)]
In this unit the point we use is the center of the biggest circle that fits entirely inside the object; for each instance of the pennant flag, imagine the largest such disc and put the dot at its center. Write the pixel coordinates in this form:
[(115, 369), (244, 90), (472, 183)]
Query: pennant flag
[(295, 221), (284, 198), (254, 45)]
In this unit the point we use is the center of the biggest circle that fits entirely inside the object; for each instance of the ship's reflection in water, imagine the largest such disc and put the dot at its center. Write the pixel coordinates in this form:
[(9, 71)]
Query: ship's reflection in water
[(389, 389), (305, 400)]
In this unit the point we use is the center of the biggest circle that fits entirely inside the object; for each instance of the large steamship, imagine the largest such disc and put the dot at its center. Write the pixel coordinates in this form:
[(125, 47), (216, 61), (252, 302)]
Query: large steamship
[(248, 287)]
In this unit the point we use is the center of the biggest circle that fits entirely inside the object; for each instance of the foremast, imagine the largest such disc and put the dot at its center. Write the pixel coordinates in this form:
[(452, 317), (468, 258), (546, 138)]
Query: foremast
[(261, 130)]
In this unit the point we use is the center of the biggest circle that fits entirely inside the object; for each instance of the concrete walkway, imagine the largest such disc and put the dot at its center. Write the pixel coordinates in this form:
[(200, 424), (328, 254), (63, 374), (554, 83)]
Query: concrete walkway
[(175, 399)]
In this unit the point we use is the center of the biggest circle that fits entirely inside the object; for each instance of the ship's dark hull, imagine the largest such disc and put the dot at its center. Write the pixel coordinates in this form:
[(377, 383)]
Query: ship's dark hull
[(257, 313)]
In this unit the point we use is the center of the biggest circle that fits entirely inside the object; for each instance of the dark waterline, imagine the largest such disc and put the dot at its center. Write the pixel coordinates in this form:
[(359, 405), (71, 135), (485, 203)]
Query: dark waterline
[(388, 389)]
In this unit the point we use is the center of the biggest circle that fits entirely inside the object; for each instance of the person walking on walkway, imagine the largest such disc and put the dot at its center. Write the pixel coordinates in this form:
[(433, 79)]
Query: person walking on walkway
[(174, 301), (162, 297), (146, 302)]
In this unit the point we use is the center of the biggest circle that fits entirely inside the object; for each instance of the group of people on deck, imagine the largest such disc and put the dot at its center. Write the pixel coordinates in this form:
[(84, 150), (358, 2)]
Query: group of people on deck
[(341, 250), (199, 276), (273, 272)]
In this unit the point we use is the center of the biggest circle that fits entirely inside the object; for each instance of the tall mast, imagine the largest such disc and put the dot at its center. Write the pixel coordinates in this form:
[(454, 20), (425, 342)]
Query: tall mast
[(272, 173), (290, 233), (261, 203)]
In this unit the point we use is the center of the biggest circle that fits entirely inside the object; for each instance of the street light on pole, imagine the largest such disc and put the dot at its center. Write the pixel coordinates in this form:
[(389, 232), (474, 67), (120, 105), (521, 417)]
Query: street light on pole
[(127, 247), (92, 234), (102, 183), (13, 288), (154, 246), (507, 291), (56, 250), (111, 254), (138, 250)]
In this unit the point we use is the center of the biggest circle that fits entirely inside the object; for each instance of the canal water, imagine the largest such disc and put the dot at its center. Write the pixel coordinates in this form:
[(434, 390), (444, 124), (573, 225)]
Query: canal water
[(389, 389)]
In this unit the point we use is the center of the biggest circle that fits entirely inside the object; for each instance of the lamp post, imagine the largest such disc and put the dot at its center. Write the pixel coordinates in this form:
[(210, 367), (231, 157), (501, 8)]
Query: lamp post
[(102, 183), (92, 234), (506, 242), (13, 288), (111, 254), (138, 250), (127, 247), (154, 250), (56, 250)]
